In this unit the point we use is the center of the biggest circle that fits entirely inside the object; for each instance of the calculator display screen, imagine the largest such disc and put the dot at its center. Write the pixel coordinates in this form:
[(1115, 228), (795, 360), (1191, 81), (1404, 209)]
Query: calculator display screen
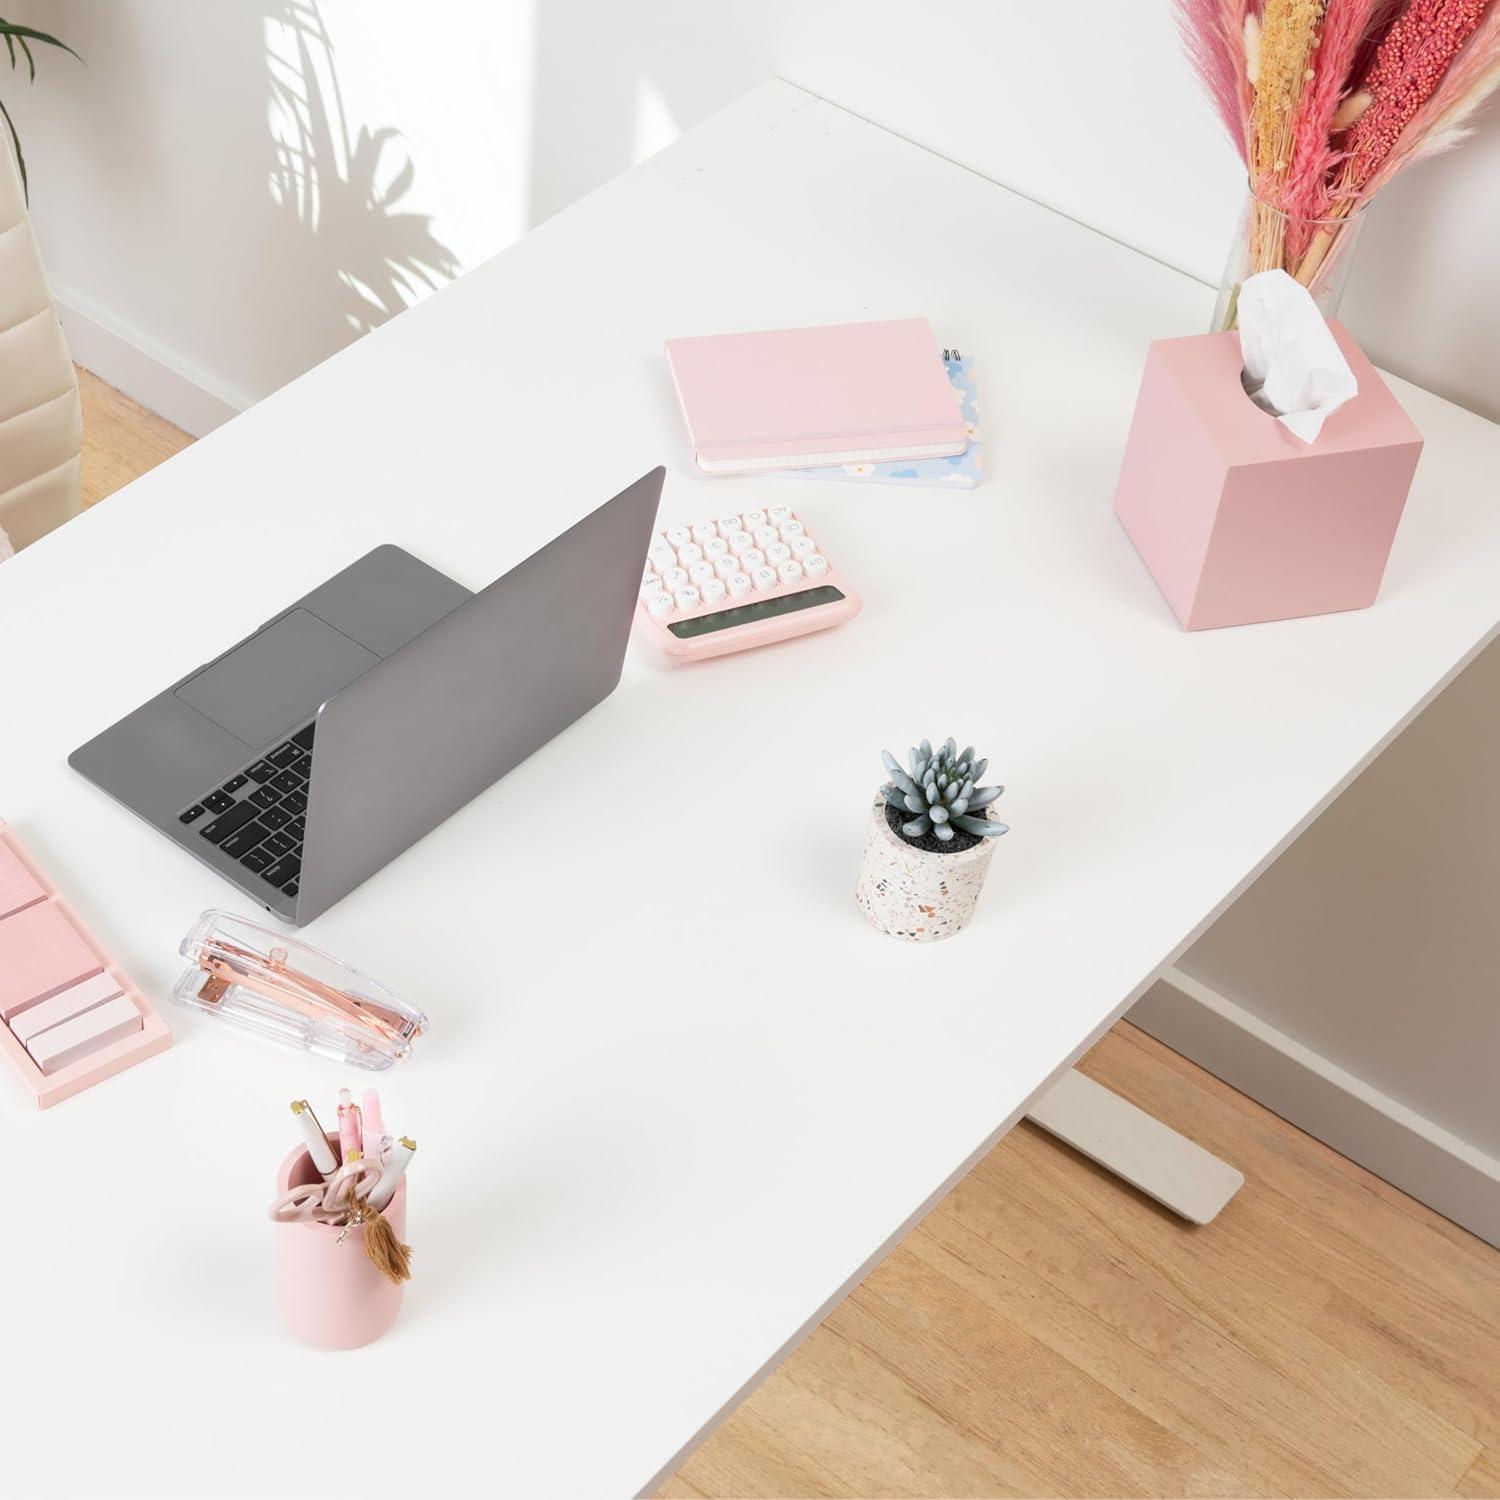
[(759, 609)]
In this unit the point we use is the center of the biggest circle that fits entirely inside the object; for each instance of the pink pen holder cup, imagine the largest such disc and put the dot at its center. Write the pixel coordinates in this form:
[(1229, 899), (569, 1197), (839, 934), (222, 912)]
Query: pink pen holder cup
[(330, 1293), (1238, 520)]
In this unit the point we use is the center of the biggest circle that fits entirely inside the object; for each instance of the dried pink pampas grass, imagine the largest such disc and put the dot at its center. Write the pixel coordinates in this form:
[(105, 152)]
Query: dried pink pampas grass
[(1307, 190), (1213, 35), (1327, 100)]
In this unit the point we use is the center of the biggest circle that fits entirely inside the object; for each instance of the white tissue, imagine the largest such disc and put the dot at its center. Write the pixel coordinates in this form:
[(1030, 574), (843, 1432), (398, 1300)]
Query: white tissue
[(1294, 367)]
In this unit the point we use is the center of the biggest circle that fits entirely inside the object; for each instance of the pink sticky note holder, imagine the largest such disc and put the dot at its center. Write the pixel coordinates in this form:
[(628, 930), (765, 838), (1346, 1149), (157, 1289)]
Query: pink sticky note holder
[(69, 1014), (1240, 522)]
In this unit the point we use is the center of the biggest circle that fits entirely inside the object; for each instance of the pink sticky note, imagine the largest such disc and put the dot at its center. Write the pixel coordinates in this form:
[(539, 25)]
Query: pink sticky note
[(41, 952), (73, 1001), (96, 1028), (17, 887)]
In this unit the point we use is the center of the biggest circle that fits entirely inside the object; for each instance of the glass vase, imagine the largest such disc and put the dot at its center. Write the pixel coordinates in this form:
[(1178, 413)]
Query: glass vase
[(1317, 252)]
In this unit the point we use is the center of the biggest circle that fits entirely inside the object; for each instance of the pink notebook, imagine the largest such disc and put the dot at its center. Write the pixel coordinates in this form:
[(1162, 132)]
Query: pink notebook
[(804, 397)]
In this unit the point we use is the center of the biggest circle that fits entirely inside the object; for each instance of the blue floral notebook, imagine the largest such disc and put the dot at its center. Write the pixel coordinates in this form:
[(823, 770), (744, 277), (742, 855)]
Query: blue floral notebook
[(961, 472)]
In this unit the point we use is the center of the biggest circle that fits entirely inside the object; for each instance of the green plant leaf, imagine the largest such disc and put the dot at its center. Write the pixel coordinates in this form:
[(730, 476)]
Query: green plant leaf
[(15, 29), (984, 828), (15, 141), (14, 32)]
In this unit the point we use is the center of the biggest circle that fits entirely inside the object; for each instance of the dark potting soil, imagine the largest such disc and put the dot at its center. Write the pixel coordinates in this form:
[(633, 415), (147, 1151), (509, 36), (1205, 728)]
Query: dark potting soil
[(929, 841)]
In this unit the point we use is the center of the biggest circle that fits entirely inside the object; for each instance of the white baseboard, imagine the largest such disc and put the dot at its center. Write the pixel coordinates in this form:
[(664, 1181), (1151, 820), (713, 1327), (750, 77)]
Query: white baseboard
[(146, 375), (1408, 1150)]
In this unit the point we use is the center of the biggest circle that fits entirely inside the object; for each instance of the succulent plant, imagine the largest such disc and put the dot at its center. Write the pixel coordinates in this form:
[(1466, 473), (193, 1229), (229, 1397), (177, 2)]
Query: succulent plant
[(940, 792)]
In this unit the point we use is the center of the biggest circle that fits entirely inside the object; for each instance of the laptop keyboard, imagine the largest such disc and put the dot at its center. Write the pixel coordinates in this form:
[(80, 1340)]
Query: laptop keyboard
[(257, 815)]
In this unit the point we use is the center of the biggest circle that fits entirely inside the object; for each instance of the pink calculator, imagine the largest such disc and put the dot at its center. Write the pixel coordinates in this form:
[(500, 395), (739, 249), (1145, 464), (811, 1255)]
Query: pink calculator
[(733, 582)]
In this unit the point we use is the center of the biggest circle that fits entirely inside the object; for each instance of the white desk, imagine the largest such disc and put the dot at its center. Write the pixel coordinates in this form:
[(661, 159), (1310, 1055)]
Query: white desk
[(678, 1095)]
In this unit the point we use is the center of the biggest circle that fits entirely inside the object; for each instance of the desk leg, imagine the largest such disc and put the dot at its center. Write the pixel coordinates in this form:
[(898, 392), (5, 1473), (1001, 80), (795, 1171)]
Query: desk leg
[(1136, 1146)]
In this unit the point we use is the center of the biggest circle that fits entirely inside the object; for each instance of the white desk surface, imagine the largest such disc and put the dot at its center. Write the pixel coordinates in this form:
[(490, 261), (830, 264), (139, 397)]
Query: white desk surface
[(678, 1096)]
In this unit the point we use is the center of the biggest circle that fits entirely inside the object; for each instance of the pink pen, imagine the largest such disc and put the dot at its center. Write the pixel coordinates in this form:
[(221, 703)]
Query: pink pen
[(372, 1123), (350, 1136)]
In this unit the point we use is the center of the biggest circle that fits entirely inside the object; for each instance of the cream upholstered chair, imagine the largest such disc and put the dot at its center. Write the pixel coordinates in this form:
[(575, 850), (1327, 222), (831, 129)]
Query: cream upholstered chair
[(41, 423)]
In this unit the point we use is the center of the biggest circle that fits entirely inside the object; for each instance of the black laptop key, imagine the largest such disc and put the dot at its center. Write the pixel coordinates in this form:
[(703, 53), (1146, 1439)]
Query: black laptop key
[(217, 802), (288, 867), (304, 737), (290, 888), (288, 781), (261, 772), (193, 813), (284, 755), (234, 784), (243, 840), (257, 859), (281, 843), (297, 827), (303, 767), (221, 827), (296, 804), (265, 796), (275, 817)]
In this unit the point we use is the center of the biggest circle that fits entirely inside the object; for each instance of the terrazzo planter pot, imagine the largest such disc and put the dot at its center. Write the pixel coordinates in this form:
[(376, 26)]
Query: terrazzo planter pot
[(916, 895)]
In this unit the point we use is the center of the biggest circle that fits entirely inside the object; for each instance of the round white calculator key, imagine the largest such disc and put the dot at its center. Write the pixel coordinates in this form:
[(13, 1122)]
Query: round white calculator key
[(713, 590), (791, 530), (701, 572), (715, 547), (662, 555), (789, 572), (752, 559), (726, 566), (650, 585), (776, 514), (702, 530), (763, 578), (689, 553), (679, 536), (754, 518), (674, 579), (764, 536), (803, 546), (688, 598), (729, 525), (740, 543), (815, 565), (777, 553), (660, 604), (738, 584)]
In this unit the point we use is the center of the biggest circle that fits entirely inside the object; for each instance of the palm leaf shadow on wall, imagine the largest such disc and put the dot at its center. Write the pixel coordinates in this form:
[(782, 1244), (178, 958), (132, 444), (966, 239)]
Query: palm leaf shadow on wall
[(341, 188)]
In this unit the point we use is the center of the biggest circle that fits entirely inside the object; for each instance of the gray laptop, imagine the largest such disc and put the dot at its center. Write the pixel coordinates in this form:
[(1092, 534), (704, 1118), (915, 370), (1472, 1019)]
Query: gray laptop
[(312, 753)]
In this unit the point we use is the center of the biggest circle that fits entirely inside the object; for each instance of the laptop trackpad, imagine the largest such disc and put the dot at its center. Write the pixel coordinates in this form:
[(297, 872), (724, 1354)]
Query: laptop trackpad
[(278, 679)]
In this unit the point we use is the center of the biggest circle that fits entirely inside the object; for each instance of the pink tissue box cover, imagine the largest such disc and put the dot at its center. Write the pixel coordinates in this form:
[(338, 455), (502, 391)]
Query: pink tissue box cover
[(1237, 520)]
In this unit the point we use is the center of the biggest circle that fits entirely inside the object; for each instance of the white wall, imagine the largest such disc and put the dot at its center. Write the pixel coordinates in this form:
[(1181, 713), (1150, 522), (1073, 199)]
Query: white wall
[(154, 163)]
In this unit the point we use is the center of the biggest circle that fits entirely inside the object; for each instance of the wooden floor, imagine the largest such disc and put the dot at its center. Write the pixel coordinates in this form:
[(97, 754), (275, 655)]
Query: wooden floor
[(1046, 1331), (121, 439)]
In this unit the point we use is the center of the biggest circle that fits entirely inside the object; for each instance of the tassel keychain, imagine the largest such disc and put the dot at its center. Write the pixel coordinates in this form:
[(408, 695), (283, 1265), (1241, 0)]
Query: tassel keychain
[(388, 1255)]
